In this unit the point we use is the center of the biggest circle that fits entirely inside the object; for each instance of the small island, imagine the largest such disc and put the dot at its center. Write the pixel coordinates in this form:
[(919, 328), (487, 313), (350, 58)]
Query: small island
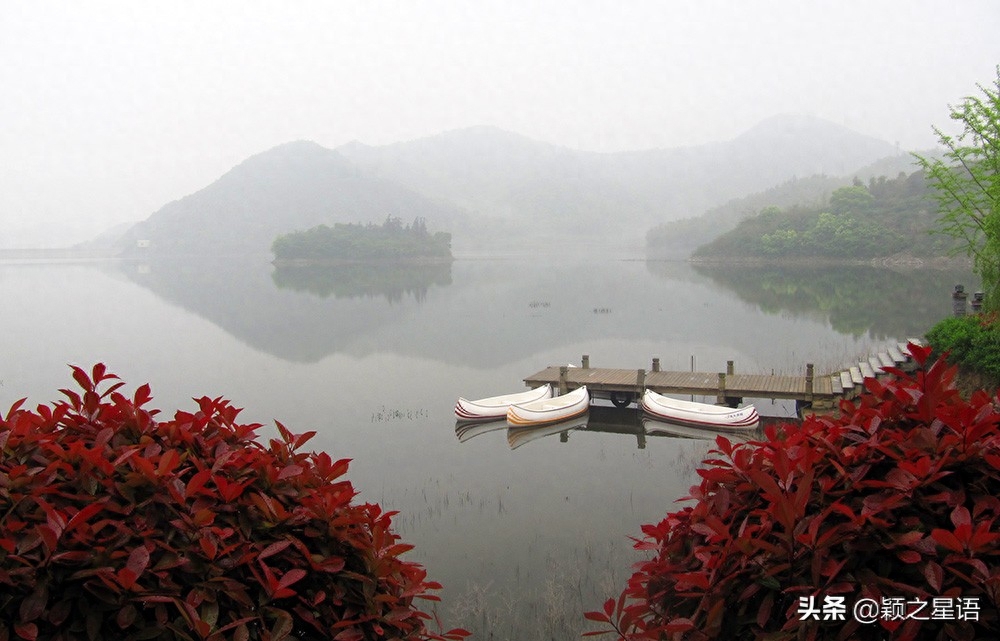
[(345, 243)]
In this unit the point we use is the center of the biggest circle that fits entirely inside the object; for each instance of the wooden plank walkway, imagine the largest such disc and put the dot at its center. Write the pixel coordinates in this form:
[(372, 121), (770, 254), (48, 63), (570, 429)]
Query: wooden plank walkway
[(729, 387), (607, 380)]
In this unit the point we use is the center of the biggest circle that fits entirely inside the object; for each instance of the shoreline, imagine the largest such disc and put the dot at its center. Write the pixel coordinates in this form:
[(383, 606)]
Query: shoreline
[(342, 262), (897, 260)]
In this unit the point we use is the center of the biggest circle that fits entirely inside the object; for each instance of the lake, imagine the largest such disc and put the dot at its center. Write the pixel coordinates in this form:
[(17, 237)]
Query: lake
[(526, 534)]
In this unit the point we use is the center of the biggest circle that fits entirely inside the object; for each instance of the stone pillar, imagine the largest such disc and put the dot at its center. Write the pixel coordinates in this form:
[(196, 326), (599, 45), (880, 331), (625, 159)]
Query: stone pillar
[(958, 298), (977, 302)]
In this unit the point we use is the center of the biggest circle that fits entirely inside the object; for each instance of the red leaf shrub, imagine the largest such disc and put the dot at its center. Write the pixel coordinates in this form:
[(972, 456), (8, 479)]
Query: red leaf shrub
[(897, 499), (114, 525)]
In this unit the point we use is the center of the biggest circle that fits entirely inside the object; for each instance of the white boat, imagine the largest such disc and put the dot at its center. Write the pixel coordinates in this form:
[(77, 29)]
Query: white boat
[(699, 414), (550, 410), (495, 407)]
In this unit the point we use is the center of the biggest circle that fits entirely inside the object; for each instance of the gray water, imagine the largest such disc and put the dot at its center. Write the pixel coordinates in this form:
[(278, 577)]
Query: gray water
[(525, 538)]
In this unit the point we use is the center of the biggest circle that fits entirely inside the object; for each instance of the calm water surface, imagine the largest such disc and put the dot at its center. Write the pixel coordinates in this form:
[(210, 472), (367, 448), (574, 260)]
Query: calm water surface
[(524, 534)]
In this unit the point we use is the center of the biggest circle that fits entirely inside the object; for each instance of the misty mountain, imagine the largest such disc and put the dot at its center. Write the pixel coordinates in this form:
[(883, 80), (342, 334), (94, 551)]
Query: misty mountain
[(294, 186), (492, 188), (507, 179)]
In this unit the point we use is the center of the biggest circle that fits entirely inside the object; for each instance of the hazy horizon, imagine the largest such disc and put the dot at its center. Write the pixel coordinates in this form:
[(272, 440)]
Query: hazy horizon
[(113, 109)]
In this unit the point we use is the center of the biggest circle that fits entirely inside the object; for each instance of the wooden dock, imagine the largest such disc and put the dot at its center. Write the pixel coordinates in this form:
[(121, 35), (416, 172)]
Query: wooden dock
[(624, 386)]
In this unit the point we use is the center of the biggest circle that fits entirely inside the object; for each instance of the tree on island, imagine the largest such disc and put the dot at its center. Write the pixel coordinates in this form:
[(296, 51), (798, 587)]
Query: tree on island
[(392, 240), (967, 184)]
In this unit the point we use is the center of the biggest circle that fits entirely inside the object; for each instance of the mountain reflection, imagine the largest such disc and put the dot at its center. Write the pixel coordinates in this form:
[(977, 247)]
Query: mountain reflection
[(491, 313), (299, 315), (856, 300), (392, 281)]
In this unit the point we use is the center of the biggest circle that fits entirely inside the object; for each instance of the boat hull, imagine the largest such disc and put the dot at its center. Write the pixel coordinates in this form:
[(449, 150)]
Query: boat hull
[(699, 414), (495, 408), (550, 410)]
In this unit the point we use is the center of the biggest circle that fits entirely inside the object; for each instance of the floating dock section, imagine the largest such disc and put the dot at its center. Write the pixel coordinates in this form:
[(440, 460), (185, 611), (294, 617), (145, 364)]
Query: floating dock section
[(625, 386)]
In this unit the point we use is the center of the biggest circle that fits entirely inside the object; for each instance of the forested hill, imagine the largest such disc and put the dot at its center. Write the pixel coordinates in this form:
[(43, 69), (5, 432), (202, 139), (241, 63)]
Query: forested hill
[(880, 219), (678, 239)]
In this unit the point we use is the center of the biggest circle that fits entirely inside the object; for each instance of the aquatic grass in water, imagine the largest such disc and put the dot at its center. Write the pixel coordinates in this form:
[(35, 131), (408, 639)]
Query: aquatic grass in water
[(386, 415)]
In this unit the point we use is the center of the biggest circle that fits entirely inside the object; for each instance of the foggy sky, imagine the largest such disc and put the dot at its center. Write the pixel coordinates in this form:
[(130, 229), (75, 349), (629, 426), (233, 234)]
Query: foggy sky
[(109, 110)]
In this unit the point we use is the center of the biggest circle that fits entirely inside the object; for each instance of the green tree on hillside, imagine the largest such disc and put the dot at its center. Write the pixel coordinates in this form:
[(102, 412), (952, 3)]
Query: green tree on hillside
[(852, 200), (967, 184)]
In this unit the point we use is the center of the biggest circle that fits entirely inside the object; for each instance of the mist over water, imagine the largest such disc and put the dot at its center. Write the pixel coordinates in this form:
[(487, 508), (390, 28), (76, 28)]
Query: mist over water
[(525, 531)]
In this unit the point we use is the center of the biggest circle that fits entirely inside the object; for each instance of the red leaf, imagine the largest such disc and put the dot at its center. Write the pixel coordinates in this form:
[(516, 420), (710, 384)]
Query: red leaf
[(34, 605), (946, 539), (302, 439), (934, 575), (138, 560), (82, 379), (292, 576), (168, 462), (920, 353), (273, 549), (290, 471), (27, 631), (142, 395), (286, 434), (208, 546), (13, 410), (679, 624), (196, 483), (283, 626)]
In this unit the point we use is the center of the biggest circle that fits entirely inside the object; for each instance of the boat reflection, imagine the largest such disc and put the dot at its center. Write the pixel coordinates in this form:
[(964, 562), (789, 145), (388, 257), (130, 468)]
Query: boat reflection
[(519, 435), (466, 430), (656, 427)]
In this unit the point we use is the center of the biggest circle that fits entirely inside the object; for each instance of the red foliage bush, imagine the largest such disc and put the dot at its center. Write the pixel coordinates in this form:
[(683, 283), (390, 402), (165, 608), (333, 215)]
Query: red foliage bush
[(897, 499), (114, 525)]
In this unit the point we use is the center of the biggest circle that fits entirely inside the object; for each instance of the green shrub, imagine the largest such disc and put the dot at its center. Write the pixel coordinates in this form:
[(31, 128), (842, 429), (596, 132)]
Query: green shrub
[(115, 525), (969, 341)]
